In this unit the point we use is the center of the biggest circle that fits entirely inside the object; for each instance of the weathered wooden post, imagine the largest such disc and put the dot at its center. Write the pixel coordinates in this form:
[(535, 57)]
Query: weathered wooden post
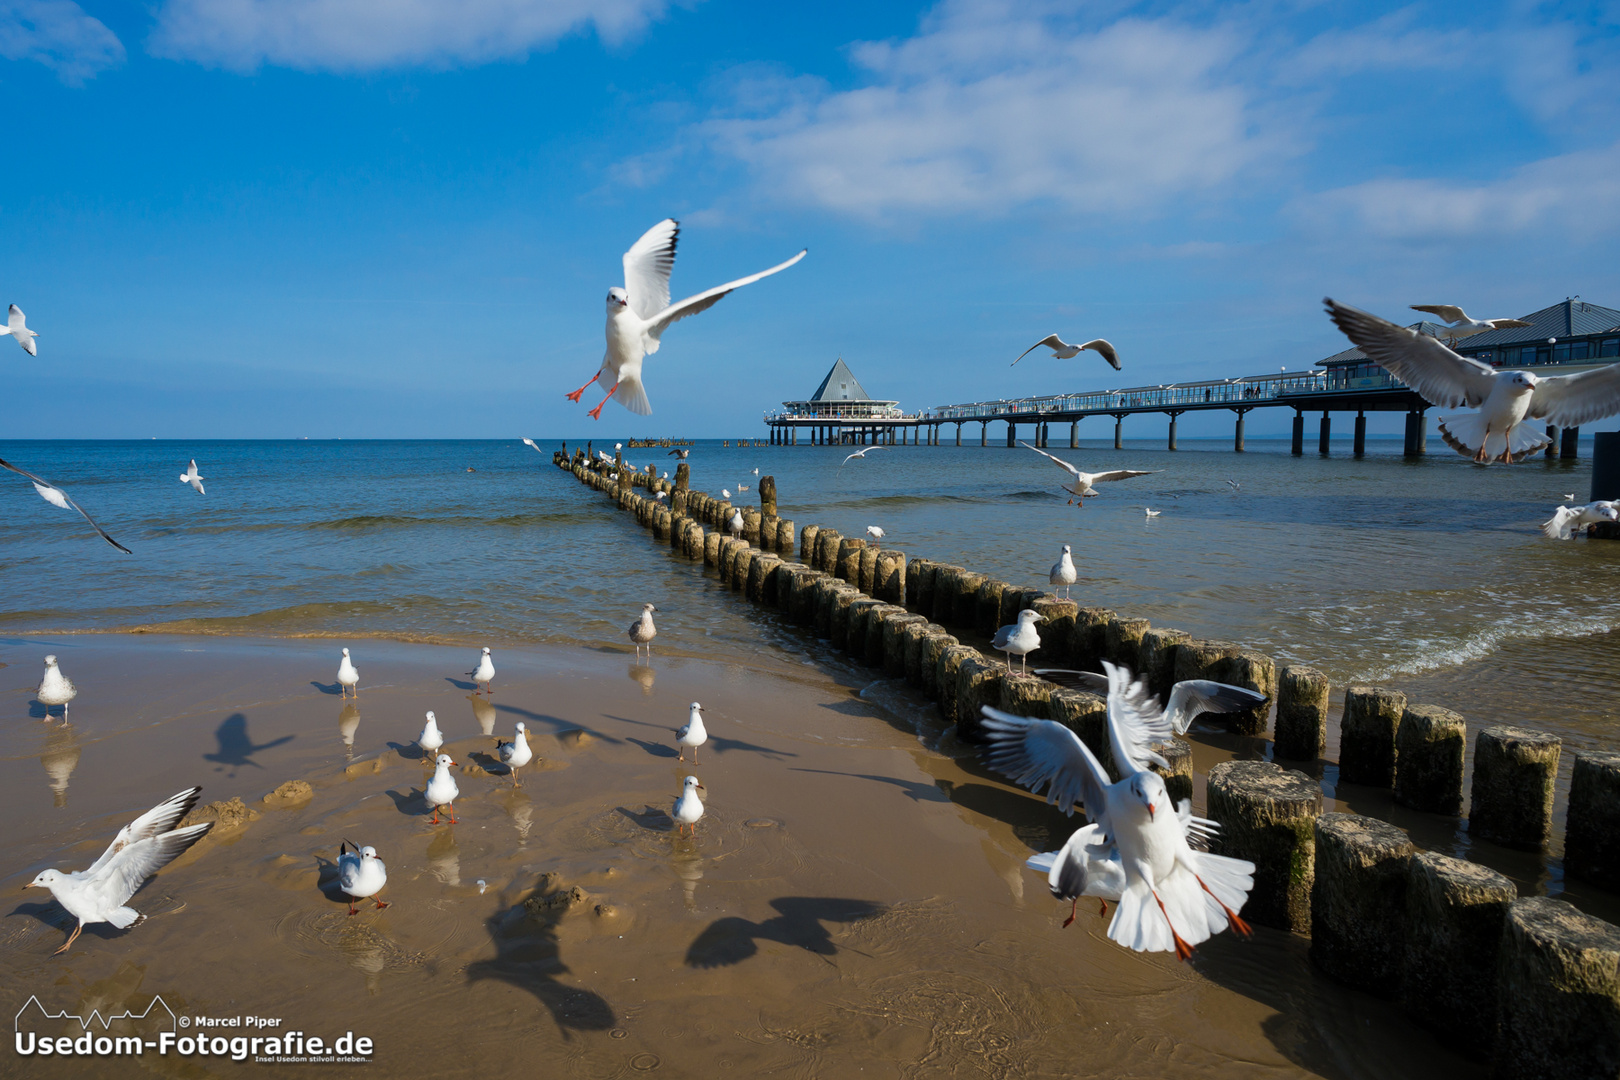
[(767, 496), (828, 541), (1429, 759), (935, 641), (1367, 735), (1268, 816), (894, 640), (860, 618), (1558, 998), (978, 683), (801, 598), (1455, 912), (965, 614), (751, 520), (1156, 659), (1122, 640), (760, 573), (1090, 637), (866, 571), (1592, 830), (1512, 798), (1302, 707), (1056, 630), (807, 544), (842, 599), (1025, 695), (784, 536), (1357, 898), (949, 671), (987, 606), (889, 577), (877, 634), (822, 602), (1085, 714), (847, 561), (1253, 671), (916, 570)]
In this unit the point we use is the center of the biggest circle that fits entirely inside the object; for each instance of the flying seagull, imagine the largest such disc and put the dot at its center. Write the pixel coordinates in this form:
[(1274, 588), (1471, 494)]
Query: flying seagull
[(1505, 399), (639, 313), (193, 477), (682, 454), (57, 497), (1080, 487), (1461, 324), (1565, 522), (17, 327), (859, 454), (1061, 350), (531, 443)]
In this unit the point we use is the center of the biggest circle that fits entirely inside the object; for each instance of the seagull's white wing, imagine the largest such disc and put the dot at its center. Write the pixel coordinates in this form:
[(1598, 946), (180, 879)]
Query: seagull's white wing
[(658, 323), (1556, 526), (27, 342), (1051, 341), (15, 320), (1447, 312), (1419, 361), (128, 870), (646, 268), (1119, 474), (1041, 753), (1106, 349), (1571, 400), (348, 871), (1135, 722), (57, 497), (155, 822), (1194, 696), (1056, 460)]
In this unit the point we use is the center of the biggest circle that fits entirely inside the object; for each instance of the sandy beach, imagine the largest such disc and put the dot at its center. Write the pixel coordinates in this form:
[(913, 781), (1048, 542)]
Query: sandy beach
[(853, 902)]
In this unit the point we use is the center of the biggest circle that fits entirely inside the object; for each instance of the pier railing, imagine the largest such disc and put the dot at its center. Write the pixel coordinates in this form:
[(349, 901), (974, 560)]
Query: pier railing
[(1252, 390)]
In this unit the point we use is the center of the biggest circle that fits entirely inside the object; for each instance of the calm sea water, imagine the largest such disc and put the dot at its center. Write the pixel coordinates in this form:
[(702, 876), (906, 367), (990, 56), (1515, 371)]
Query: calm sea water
[(1379, 569)]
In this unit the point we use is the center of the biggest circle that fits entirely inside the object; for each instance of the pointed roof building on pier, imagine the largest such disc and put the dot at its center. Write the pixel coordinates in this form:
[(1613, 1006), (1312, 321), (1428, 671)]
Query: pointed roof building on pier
[(841, 396)]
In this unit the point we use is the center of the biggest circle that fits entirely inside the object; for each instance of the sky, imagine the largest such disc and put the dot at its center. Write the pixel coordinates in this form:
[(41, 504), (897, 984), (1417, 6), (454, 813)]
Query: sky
[(399, 218)]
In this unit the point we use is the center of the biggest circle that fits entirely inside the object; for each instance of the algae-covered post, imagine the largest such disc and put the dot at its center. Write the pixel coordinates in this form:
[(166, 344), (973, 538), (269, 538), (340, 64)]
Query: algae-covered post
[(1268, 816), (1358, 901), (1512, 798), (1302, 706)]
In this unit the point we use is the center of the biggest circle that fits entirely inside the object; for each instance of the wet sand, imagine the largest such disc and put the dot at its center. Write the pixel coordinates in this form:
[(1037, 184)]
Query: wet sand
[(853, 903)]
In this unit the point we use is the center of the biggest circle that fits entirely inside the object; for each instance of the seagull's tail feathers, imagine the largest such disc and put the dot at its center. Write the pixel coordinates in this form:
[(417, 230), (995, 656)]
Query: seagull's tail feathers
[(1228, 882), (1138, 923), (633, 396), (1042, 863), (125, 917), (1465, 433)]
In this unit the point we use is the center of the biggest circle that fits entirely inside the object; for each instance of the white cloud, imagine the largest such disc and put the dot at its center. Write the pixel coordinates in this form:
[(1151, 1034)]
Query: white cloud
[(60, 35), (357, 35), (989, 107), (1575, 196)]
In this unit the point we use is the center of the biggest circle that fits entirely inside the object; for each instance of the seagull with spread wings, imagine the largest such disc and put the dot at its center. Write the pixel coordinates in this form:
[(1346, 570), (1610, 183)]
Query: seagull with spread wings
[(17, 327), (1461, 324), (59, 498), (1080, 488), (639, 313), (860, 454), (1505, 399), (1062, 350), (193, 477)]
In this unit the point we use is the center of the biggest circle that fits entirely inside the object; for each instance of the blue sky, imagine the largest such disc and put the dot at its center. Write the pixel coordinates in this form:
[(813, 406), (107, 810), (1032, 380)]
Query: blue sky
[(381, 218)]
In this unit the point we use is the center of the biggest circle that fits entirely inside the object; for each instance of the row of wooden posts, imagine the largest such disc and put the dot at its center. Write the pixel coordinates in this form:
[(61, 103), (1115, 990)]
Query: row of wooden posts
[(1530, 984)]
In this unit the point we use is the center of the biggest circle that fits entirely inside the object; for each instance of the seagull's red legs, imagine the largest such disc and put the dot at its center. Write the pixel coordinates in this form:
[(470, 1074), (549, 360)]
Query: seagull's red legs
[(596, 413), (575, 396), (1231, 916), (1070, 919), (1183, 950)]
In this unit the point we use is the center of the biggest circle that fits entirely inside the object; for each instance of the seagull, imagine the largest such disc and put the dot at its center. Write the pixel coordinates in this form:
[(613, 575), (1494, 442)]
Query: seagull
[(642, 631), (1088, 864), (860, 454), (694, 734), (1064, 351), (756, 472), (431, 738), (1019, 638), (1153, 513), (348, 677), (1080, 488), (194, 478), (735, 525), (660, 496), (16, 326), (688, 808), (725, 493), (532, 443), (618, 446), (1461, 324), (1563, 525), (1570, 497), (639, 313), (681, 454), (141, 848), (1505, 399), (1234, 485), (442, 791), (1063, 572), (1196, 894), (55, 688), (485, 671), (360, 874), (741, 488), (515, 754), (875, 533), (1188, 698), (59, 498)]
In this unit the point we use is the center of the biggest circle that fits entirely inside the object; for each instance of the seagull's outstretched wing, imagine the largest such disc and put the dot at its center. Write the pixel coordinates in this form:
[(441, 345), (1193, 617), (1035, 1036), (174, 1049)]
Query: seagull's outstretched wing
[(1119, 474), (646, 268), (1041, 753), (1450, 313), (1135, 722), (1055, 460), (1571, 400), (14, 319), (160, 819), (1104, 348), (707, 299), (1558, 526), (57, 497), (1419, 361), (1051, 341), (128, 870), (1194, 696)]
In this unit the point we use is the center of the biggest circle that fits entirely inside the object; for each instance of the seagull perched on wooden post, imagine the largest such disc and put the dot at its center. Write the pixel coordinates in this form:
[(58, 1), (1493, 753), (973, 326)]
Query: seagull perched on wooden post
[(1461, 324), (1019, 638), (1064, 573), (1505, 399), (639, 313), (1061, 350), (1080, 487)]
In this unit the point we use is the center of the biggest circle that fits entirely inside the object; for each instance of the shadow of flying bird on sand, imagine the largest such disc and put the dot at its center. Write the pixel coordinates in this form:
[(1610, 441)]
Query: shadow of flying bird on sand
[(235, 747), (918, 790), (528, 956), (734, 939)]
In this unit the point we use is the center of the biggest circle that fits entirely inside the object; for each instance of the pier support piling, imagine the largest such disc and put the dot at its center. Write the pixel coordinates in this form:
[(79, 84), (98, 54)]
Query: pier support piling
[(1298, 447), (1552, 442), (1569, 443), (1324, 433), (1237, 434), (1119, 431), (1074, 434), (1173, 429), (1360, 447), (1012, 434)]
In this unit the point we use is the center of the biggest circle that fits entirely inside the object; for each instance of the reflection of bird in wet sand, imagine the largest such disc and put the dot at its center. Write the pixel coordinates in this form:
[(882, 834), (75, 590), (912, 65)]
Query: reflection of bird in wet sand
[(644, 675), (60, 758), (348, 724), (734, 939), (444, 858), (484, 713)]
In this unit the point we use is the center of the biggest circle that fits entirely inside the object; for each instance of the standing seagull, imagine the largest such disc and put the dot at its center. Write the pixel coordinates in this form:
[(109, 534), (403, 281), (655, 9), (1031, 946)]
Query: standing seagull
[(860, 454), (361, 874), (1061, 350), (442, 790), (515, 754), (875, 533), (694, 734), (642, 631), (194, 478), (1080, 487), (141, 848), (485, 672), (1064, 573), (1019, 638), (1461, 324), (55, 688), (681, 454), (735, 525), (688, 808), (59, 498), (17, 327), (431, 738), (639, 313), (1505, 399), (348, 677)]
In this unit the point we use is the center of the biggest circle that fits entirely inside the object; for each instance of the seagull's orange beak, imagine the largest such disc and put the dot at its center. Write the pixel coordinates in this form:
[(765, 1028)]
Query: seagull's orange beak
[(1151, 810)]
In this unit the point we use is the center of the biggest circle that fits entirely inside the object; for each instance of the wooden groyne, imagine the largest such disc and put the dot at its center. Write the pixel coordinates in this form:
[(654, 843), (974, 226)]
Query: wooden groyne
[(1530, 984)]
